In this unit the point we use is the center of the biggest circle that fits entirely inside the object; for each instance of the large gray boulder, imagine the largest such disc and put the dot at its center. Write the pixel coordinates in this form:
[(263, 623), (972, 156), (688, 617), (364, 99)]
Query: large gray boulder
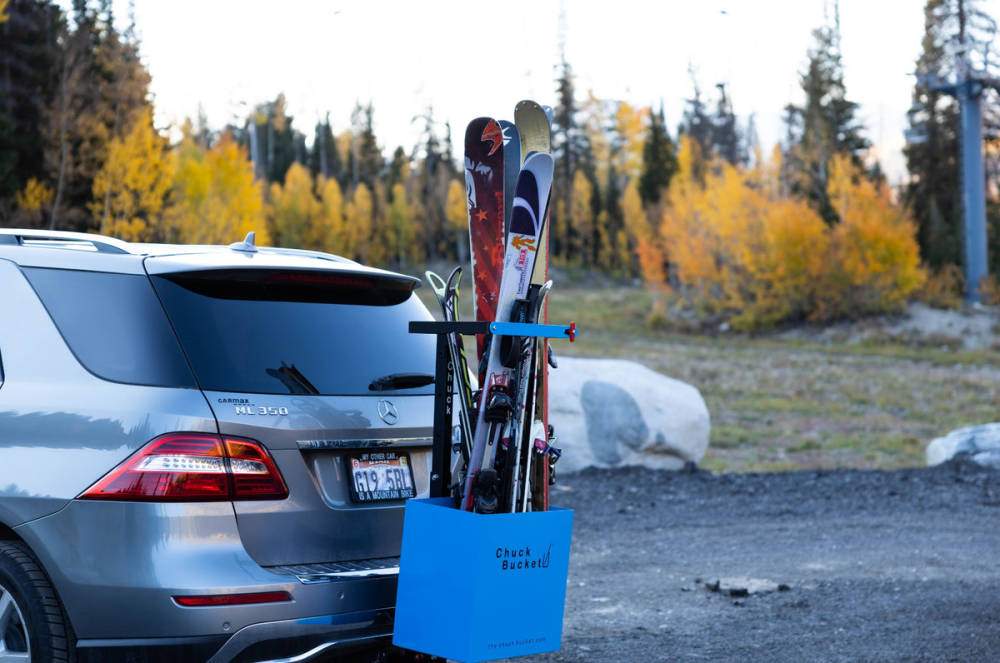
[(980, 444), (611, 412)]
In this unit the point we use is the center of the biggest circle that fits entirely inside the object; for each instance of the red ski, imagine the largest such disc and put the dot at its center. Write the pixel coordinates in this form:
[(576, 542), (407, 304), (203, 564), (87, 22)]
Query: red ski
[(484, 186)]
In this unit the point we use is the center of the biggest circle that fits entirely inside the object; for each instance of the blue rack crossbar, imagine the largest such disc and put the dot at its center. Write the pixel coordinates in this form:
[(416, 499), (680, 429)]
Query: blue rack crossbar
[(533, 329)]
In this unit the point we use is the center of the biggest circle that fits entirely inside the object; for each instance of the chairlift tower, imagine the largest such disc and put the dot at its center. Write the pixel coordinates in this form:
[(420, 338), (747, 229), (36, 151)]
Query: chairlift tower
[(968, 89)]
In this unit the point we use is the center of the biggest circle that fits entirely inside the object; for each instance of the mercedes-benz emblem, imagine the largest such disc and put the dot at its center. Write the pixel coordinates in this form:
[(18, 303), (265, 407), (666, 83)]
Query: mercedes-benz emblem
[(387, 412)]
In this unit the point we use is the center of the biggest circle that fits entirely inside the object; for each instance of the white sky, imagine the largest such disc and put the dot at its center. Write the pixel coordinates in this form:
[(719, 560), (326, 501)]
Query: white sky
[(476, 58)]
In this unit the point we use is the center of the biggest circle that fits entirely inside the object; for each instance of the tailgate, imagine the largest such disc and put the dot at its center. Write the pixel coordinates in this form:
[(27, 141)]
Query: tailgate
[(316, 363), (311, 439)]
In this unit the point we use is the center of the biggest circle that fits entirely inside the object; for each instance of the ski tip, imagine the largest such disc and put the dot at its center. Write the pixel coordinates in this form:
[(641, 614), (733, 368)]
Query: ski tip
[(436, 282), (475, 129), (538, 160)]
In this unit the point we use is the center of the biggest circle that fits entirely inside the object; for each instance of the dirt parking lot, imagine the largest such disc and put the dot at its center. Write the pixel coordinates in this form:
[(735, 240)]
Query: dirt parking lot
[(899, 565)]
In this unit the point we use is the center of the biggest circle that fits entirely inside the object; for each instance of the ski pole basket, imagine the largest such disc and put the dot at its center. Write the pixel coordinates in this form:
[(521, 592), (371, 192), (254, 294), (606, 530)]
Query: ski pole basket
[(478, 587)]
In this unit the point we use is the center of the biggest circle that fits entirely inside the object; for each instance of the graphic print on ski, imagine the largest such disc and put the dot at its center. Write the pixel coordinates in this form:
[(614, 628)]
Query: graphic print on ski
[(526, 224), (484, 178), (534, 124)]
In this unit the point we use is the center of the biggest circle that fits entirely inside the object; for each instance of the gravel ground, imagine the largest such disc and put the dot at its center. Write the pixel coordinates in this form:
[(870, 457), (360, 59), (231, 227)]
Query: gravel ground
[(897, 565)]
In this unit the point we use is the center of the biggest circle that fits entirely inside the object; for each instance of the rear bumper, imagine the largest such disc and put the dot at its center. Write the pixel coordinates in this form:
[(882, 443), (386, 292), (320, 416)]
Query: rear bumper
[(286, 641), (118, 565)]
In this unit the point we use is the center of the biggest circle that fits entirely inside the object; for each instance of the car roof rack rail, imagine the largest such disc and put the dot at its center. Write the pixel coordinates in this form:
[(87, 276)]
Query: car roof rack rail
[(62, 240)]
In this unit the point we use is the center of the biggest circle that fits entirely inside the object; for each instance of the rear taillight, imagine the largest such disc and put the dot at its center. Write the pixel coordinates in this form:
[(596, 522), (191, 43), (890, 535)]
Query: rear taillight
[(193, 467), (255, 476)]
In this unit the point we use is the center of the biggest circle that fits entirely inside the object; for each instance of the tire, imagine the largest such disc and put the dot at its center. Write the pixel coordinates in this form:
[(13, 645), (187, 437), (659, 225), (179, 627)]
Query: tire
[(35, 610)]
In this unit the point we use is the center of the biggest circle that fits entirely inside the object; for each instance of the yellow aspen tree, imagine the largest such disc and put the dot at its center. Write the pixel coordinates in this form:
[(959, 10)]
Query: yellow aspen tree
[(33, 200), (215, 197), (456, 207), (582, 251), (594, 120), (402, 224), (641, 235), (457, 215), (380, 239), (875, 262), (630, 125), (606, 255), (327, 231), (294, 208), (358, 223), (131, 188)]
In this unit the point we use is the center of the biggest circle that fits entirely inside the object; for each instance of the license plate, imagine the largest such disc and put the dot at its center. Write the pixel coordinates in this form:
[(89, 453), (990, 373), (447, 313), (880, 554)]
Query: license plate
[(380, 476)]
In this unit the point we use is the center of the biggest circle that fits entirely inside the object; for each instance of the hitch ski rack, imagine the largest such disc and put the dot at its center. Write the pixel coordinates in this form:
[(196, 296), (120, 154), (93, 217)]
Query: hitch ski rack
[(444, 381)]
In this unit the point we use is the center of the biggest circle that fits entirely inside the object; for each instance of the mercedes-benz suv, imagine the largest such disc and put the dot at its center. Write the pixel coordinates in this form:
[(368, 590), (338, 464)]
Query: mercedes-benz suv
[(204, 450)]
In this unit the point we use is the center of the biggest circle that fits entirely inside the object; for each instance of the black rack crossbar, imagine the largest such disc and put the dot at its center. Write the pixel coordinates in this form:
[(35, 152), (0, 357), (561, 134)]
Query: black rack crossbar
[(467, 328), (444, 396)]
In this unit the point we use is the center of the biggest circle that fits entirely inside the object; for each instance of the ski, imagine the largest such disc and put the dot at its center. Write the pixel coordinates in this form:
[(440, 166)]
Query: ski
[(511, 168), (497, 407), (484, 186), (447, 296), (534, 124), (525, 395), (535, 445)]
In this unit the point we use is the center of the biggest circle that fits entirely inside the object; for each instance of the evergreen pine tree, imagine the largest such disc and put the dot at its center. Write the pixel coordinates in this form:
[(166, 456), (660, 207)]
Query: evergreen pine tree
[(697, 124), (828, 122), (564, 143), (614, 220), (659, 160), (368, 157), (726, 140), (29, 60), (324, 157), (399, 166), (434, 172)]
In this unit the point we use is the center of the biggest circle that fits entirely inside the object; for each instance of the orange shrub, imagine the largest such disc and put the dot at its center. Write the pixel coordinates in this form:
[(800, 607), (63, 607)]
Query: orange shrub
[(943, 288), (874, 259), (739, 252), (743, 251)]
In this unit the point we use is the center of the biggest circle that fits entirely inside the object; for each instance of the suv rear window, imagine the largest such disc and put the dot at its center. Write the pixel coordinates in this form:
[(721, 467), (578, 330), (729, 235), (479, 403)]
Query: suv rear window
[(296, 332), (114, 324)]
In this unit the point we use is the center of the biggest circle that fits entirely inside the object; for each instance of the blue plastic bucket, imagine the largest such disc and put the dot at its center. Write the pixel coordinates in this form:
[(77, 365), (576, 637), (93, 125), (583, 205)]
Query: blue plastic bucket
[(481, 587)]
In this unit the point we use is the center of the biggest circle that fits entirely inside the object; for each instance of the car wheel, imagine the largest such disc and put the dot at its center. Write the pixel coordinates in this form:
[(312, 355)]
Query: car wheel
[(33, 624)]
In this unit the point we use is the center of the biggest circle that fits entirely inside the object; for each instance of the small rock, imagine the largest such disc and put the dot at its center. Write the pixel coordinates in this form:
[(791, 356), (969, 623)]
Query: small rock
[(744, 586)]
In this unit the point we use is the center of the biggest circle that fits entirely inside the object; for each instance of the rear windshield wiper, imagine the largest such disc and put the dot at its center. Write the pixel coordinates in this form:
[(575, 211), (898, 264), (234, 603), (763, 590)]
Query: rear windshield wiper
[(400, 381), (293, 379)]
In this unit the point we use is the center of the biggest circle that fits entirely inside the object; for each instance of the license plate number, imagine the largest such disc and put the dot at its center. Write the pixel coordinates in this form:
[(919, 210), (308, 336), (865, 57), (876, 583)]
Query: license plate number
[(380, 476)]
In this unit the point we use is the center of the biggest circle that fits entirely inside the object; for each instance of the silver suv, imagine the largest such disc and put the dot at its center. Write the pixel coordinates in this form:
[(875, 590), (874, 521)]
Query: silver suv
[(204, 450)]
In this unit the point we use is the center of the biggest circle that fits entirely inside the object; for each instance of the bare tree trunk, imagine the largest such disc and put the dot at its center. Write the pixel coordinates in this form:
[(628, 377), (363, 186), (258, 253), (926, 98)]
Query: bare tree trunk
[(63, 142)]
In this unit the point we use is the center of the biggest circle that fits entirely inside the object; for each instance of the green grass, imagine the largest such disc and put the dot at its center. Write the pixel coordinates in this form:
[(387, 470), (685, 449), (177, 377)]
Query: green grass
[(778, 403)]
